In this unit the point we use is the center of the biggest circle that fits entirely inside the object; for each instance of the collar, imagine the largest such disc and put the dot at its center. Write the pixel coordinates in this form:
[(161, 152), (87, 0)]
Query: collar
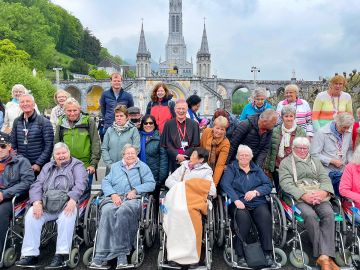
[(297, 102)]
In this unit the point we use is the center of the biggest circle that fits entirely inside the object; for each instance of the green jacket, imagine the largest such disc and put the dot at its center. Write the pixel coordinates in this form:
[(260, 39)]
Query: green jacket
[(82, 139), (305, 170), (275, 144)]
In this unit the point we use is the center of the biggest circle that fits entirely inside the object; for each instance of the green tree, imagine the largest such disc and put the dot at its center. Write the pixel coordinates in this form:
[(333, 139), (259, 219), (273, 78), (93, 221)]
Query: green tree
[(99, 74), (90, 48), (9, 53), (78, 65), (130, 74)]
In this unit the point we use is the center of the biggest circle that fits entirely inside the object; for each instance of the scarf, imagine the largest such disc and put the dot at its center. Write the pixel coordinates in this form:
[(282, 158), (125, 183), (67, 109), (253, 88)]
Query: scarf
[(212, 156), (303, 159), (121, 129), (145, 137), (59, 111), (193, 114), (194, 166), (336, 133), (259, 109), (15, 100), (285, 140)]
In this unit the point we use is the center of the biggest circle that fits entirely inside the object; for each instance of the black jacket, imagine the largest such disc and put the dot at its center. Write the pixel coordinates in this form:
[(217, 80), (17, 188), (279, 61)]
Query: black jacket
[(247, 133), (40, 139), (17, 176)]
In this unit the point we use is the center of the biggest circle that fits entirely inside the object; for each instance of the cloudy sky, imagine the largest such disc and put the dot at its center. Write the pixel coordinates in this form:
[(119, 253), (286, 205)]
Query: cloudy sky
[(313, 37)]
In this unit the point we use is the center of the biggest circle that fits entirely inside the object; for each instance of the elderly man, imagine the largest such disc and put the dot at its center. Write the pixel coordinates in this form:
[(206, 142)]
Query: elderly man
[(16, 176), (255, 132), (304, 177), (328, 103), (333, 146), (113, 97), (135, 116), (79, 132), (32, 135), (180, 136)]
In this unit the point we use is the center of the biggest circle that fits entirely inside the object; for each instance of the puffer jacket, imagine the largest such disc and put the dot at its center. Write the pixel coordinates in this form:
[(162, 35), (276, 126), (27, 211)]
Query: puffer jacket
[(39, 147), (156, 158), (275, 144), (17, 176), (72, 170)]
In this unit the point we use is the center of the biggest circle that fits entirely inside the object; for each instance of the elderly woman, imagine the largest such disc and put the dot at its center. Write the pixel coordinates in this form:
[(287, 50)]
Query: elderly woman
[(54, 196), (246, 185), (331, 102), (333, 146), (281, 141), (258, 105), (120, 133), (121, 209), (302, 108), (303, 177), (60, 97), (349, 184), (214, 140), (161, 106)]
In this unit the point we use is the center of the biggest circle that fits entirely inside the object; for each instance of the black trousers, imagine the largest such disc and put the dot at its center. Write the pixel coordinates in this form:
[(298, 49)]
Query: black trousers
[(5, 214), (261, 216)]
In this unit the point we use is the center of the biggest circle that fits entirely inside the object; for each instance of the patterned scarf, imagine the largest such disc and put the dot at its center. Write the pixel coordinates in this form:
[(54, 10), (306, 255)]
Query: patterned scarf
[(259, 109), (59, 111), (121, 129), (285, 140)]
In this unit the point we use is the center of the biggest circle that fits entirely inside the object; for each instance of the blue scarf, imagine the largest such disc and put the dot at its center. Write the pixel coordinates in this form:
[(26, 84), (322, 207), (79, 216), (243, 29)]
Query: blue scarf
[(336, 133), (259, 109), (144, 138), (193, 114)]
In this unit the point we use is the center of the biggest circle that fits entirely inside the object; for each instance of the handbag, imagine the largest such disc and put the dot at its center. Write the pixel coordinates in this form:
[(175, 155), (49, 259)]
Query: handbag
[(253, 253)]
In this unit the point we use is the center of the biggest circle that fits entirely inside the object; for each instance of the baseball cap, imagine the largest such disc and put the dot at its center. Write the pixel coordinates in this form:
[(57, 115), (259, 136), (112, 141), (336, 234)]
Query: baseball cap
[(4, 138), (133, 110)]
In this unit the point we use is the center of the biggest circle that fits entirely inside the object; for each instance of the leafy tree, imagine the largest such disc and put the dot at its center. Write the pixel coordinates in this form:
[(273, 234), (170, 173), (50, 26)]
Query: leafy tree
[(9, 53), (130, 74), (78, 65), (99, 74), (90, 48)]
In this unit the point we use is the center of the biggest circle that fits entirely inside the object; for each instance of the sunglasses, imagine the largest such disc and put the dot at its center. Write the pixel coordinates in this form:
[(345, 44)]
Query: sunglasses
[(148, 123), (3, 146)]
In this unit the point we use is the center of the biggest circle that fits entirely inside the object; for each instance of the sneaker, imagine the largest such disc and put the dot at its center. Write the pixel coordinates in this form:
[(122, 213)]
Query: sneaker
[(270, 261), (27, 261), (56, 262), (242, 262), (121, 261), (99, 265)]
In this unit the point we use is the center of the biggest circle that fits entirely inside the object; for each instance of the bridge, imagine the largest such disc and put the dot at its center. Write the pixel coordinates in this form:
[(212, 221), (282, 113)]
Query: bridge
[(215, 92)]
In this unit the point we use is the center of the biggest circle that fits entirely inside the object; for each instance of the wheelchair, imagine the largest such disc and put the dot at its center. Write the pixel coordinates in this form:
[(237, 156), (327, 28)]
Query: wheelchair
[(295, 224), (278, 238), (208, 233), (147, 228), (14, 234)]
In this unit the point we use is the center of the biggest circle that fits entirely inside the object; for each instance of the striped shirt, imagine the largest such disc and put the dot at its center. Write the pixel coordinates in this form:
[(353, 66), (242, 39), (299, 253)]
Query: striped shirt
[(326, 106)]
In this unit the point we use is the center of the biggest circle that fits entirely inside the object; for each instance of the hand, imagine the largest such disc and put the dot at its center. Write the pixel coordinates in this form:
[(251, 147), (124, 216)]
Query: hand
[(321, 195), (180, 158), (90, 169), (1, 197), (37, 209), (239, 204), (131, 195), (336, 162), (250, 195), (70, 207), (116, 199), (309, 198), (36, 168)]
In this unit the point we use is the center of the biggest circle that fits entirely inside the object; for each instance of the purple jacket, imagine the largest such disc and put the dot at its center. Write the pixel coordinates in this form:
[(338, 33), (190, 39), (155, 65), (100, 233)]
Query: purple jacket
[(72, 170)]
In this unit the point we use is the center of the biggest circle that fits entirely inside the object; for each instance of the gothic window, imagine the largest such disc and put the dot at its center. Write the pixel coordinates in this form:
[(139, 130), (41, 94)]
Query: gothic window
[(177, 23), (173, 24)]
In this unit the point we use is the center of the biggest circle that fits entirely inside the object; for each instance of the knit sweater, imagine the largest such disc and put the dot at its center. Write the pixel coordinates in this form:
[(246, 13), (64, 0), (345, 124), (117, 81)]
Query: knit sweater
[(325, 106)]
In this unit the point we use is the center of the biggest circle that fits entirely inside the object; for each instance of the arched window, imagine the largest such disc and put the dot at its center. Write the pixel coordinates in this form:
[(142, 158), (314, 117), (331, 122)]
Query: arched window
[(177, 23), (173, 29)]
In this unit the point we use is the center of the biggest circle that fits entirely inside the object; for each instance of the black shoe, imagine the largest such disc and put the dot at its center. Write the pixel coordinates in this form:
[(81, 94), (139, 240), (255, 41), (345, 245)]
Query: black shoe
[(57, 261), (27, 261), (242, 262)]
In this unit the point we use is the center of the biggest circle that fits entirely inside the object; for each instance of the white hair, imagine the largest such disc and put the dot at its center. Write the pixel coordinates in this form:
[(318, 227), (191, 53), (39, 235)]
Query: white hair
[(259, 91), (301, 141), (19, 87), (28, 95), (60, 145), (268, 114), (292, 87), (71, 101), (344, 119), (356, 155), (244, 148), (127, 146)]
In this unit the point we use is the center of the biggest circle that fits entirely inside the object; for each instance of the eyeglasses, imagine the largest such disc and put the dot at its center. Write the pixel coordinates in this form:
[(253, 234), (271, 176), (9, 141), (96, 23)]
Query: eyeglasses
[(302, 148), (3, 146), (148, 123)]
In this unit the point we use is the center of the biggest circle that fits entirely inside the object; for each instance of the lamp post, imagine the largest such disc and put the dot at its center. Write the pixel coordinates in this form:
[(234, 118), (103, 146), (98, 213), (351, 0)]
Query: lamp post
[(255, 70)]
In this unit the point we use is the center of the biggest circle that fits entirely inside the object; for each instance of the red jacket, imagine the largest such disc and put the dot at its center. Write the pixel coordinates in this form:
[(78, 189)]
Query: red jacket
[(162, 111), (350, 183)]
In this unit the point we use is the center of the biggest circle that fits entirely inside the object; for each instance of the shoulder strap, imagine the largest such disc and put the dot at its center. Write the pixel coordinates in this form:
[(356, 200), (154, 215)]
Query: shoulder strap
[(294, 167)]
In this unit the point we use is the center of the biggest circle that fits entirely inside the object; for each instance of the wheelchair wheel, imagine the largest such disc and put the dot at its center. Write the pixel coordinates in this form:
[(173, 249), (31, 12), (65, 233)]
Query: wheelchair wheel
[(219, 222), (159, 259), (296, 259), (227, 256), (210, 227), (9, 257), (339, 258), (90, 222), (137, 258), (279, 219), (280, 256), (150, 223), (74, 258), (87, 257)]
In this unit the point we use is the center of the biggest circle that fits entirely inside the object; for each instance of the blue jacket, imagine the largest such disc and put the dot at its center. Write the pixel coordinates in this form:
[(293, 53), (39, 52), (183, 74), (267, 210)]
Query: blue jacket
[(235, 183), (108, 102), (250, 110), (116, 181)]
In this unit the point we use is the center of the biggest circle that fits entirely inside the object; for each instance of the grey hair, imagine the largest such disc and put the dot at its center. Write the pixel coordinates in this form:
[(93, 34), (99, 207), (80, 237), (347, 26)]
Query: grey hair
[(71, 101), (292, 87), (301, 141), (288, 109), (59, 91), (127, 146), (19, 87), (259, 91), (28, 95), (243, 147), (59, 145), (356, 155), (344, 119), (268, 115)]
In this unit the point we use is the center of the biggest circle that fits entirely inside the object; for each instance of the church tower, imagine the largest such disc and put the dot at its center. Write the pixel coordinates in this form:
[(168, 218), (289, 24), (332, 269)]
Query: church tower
[(143, 66), (175, 51), (203, 57)]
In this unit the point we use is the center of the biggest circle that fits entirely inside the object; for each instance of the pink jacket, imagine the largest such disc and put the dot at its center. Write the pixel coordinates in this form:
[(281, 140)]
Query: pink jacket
[(350, 183)]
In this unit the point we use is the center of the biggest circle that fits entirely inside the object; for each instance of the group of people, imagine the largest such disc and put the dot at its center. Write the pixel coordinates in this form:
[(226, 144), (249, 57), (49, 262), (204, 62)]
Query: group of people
[(310, 154)]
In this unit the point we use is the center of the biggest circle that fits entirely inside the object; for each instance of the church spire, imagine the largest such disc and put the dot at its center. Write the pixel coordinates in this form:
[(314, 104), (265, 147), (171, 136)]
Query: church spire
[(142, 50), (203, 56), (204, 49), (143, 65)]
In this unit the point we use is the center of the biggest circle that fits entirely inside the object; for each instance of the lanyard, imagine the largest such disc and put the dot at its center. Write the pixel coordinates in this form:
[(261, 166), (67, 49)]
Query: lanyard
[(339, 145), (336, 109), (181, 133), (26, 131)]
